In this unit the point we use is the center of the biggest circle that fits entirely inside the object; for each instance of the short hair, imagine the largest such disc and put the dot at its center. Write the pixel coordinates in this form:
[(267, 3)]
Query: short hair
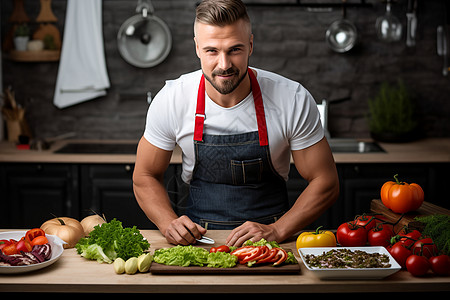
[(221, 12)]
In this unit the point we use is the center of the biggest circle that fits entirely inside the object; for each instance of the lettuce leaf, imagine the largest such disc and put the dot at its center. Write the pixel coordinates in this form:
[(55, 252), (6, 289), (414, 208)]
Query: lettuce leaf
[(111, 240)]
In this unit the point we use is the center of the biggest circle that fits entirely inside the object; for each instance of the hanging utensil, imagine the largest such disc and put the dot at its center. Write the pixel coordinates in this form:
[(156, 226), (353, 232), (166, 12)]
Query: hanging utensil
[(411, 23), (144, 40), (389, 28), (442, 47), (341, 36)]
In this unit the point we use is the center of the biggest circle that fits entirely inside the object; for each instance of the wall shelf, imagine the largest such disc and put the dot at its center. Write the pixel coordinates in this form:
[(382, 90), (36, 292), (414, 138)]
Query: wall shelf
[(34, 56)]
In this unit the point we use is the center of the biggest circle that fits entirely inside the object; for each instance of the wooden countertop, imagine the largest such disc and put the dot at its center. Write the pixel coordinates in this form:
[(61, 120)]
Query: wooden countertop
[(72, 273), (433, 150)]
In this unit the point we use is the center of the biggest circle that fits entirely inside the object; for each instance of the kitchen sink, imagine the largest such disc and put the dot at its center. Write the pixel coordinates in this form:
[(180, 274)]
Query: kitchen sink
[(353, 146), (98, 148)]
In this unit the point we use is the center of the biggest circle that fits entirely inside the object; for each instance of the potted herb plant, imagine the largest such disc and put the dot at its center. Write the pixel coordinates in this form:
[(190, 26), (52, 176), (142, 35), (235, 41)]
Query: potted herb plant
[(392, 114), (21, 37)]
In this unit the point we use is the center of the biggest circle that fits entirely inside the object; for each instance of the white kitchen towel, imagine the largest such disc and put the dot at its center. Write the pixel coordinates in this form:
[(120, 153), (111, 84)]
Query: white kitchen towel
[(82, 73)]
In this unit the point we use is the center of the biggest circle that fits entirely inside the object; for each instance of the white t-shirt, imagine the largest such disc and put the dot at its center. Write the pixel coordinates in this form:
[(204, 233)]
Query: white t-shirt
[(292, 118)]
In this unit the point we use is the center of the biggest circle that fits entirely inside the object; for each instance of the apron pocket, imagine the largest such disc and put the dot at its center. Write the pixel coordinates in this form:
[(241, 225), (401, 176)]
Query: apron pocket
[(246, 171)]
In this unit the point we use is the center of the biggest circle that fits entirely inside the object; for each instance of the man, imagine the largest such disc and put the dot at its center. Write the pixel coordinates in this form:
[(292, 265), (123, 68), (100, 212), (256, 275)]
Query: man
[(237, 128)]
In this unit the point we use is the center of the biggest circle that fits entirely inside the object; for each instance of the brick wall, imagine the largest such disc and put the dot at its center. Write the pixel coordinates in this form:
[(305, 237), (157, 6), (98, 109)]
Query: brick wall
[(288, 40)]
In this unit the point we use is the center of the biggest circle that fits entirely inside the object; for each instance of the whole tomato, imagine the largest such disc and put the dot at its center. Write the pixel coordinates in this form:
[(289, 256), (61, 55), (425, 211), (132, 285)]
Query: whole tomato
[(366, 221), (400, 253), (380, 235), (425, 247), (440, 265), (417, 265), (410, 238), (401, 197), (351, 235)]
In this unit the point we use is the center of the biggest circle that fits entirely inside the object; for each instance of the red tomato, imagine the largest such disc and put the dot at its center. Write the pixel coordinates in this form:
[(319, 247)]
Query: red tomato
[(417, 265), (23, 245), (39, 240), (4, 243), (400, 253), (10, 249), (401, 197), (251, 255), (270, 257), (380, 235), (425, 247), (351, 235), (410, 238), (223, 248), (440, 265), (34, 233), (280, 257), (368, 222)]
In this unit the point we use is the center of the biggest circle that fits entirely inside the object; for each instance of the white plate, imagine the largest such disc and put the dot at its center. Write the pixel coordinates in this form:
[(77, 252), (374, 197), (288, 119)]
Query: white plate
[(57, 250), (339, 273)]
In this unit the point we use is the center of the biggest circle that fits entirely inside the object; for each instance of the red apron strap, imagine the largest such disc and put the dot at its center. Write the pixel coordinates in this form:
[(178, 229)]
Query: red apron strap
[(259, 108), (200, 111)]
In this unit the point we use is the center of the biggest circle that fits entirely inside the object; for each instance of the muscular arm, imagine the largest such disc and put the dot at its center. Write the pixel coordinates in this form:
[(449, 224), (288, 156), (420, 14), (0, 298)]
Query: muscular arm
[(316, 165), (148, 184)]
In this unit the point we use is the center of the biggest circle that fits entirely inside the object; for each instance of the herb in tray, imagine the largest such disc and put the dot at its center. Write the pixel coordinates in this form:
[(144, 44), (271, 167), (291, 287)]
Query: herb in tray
[(347, 259)]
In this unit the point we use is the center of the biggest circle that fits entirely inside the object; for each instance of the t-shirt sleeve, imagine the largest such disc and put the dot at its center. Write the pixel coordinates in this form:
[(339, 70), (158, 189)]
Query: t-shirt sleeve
[(306, 126), (160, 126)]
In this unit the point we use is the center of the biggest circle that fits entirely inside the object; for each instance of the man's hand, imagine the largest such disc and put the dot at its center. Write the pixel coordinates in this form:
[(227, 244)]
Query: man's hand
[(182, 231), (251, 231)]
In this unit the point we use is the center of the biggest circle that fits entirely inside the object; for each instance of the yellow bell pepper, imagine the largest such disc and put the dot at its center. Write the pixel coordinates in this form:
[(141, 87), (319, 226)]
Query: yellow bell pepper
[(319, 238)]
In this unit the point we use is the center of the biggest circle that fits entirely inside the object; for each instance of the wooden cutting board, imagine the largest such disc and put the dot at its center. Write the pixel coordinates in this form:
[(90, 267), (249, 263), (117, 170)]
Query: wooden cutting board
[(156, 268), (426, 209)]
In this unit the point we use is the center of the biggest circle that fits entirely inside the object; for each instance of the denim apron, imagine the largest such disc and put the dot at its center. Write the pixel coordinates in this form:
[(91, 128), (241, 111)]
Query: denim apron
[(233, 178)]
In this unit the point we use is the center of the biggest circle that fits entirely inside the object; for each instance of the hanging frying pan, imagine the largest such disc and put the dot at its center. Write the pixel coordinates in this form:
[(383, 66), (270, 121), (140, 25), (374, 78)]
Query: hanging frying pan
[(144, 40)]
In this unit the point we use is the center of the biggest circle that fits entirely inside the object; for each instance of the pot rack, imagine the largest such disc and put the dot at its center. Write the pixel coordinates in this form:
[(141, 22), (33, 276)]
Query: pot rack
[(311, 6)]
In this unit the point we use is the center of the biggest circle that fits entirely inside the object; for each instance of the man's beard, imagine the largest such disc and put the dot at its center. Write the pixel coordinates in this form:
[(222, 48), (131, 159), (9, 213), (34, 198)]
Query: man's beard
[(226, 86)]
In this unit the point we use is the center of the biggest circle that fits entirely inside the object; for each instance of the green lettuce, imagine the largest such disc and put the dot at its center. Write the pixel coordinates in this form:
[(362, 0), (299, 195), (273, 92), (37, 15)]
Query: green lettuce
[(193, 256), (181, 256), (221, 260), (111, 240)]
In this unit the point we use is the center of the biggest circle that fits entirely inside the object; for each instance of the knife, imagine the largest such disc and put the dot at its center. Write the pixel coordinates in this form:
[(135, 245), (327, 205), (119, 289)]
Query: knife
[(206, 240)]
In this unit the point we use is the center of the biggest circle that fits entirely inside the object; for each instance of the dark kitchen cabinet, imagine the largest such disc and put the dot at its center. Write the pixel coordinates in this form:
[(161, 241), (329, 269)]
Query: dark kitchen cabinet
[(108, 189), (32, 193), (359, 184)]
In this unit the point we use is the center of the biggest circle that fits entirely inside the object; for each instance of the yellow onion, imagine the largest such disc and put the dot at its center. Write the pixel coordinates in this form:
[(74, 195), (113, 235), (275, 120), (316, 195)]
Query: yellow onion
[(67, 229), (90, 222)]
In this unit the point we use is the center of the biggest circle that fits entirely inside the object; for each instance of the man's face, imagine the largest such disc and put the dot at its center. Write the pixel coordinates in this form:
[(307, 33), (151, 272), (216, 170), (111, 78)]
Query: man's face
[(224, 53)]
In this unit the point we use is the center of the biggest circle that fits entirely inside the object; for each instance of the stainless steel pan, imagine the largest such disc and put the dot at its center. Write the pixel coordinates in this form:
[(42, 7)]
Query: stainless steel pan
[(144, 40), (342, 35)]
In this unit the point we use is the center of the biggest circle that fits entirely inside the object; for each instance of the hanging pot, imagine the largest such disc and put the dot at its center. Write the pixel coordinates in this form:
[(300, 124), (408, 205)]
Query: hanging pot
[(144, 40), (341, 36), (389, 28)]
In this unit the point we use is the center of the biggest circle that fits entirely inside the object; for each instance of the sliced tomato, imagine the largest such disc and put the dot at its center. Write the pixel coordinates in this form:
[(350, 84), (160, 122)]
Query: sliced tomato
[(10, 249), (34, 233), (23, 245), (251, 255), (281, 256), (241, 252), (4, 243), (271, 254), (39, 240), (263, 254)]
